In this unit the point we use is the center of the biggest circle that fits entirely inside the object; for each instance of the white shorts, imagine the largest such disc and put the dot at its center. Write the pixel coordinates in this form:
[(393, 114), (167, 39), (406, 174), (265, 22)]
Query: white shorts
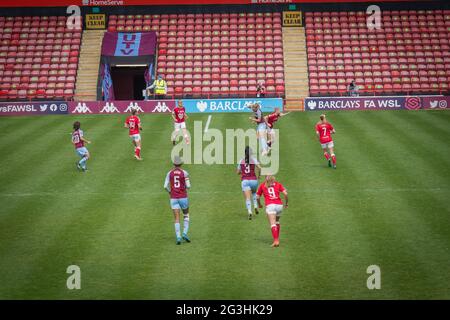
[(260, 127), (179, 125), (274, 209), (135, 137), (327, 145)]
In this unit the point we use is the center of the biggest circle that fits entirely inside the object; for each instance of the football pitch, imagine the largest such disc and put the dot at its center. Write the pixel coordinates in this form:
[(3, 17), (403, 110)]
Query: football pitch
[(387, 204)]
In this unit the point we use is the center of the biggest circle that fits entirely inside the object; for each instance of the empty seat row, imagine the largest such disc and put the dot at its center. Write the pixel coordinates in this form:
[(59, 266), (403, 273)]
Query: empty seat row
[(38, 57), (402, 56), (214, 47)]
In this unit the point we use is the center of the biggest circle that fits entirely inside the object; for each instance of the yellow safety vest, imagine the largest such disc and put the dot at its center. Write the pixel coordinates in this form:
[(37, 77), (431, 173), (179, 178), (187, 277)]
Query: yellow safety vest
[(160, 87)]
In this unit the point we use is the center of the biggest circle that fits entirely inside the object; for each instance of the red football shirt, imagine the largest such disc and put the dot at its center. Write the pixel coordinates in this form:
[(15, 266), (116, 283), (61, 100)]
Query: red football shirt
[(180, 114), (133, 123), (76, 138), (177, 179), (271, 193), (271, 119), (324, 130)]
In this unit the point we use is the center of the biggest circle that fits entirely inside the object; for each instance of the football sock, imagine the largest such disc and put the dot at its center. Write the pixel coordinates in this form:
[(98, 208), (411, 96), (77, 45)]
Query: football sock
[(174, 135), (274, 232), (177, 230), (255, 203), (82, 162), (333, 158), (248, 204), (138, 152), (186, 224), (278, 229), (327, 156)]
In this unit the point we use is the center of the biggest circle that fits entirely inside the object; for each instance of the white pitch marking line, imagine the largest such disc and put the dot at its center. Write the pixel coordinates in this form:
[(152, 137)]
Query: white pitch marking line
[(313, 190), (207, 123)]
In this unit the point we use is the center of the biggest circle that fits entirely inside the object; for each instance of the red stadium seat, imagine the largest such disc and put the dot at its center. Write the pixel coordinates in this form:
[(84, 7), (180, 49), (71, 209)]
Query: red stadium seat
[(401, 50), (222, 50)]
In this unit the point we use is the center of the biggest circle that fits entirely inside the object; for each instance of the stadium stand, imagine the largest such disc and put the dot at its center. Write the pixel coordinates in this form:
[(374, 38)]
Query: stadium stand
[(214, 55), (227, 54), (409, 54), (38, 58)]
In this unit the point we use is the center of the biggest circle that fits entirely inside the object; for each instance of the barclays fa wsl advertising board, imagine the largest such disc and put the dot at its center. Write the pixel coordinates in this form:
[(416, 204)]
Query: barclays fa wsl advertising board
[(230, 105), (366, 103)]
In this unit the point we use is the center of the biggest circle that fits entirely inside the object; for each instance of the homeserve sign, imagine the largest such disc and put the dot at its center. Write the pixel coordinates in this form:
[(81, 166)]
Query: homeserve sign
[(354, 104)]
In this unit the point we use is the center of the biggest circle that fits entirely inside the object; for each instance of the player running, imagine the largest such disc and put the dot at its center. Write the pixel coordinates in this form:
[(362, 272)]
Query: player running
[(133, 123), (271, 190), (176, 183), (247, 169), (324, 130), (179, 117), (258, 118), (270, 121), (78, 141)]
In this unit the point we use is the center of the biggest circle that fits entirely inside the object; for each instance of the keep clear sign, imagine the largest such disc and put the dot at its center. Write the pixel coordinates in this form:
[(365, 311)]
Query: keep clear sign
[(95, 21), (292, 19)]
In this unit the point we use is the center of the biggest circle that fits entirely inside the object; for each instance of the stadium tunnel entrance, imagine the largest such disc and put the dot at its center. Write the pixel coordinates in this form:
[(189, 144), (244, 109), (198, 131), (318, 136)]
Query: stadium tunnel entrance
[(129, 82), (126, 66)]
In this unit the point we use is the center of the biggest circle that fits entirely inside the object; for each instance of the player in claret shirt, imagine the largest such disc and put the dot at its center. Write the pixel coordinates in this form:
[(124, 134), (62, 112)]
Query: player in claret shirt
[(247, 169), (271, 190), (78, 141), (133, 123), (176, 183), (270, 121), (261, 127), (179, 117), (324, 130)]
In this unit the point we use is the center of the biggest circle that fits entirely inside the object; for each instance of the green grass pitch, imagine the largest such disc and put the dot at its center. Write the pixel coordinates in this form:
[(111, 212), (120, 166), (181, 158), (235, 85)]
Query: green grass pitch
[(386, 204)]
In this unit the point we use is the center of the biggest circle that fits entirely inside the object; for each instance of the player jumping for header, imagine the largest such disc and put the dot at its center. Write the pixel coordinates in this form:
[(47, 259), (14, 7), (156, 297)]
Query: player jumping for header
[(270, 121), (261, 133)]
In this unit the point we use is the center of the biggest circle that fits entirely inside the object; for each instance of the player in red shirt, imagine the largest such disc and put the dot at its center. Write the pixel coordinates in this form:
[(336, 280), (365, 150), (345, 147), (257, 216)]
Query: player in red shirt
[(133, 123), (177, 182), (247, 169), (179, 117), (271, 190), (324, 130), (78, 140), (270, 121)]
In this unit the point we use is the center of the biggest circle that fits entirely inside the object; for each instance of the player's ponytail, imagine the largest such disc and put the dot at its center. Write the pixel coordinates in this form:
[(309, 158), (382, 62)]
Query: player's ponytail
[(247, 155), (76, 125)]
